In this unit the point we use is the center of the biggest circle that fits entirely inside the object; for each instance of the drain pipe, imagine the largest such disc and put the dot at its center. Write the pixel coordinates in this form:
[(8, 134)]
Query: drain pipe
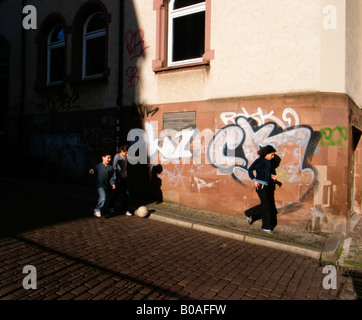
[(20, 137), (120, 74)]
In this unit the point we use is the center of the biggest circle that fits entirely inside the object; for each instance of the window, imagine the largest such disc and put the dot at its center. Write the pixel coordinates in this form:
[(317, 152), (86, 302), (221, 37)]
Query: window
[(51, 42), (183, 34), (89, 50), (56, 56), (186, 32), (94, 41)]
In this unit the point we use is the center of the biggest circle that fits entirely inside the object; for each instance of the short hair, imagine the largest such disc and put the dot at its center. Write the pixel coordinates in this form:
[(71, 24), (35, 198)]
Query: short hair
[(263, 151), (123, 147)]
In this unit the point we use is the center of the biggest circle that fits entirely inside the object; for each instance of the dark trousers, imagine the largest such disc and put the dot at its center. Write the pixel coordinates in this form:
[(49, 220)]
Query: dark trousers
[(266, 210), (121, 190)]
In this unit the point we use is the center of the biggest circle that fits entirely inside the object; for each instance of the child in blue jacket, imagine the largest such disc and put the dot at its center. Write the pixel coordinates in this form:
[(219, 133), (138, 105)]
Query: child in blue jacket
[(105, 177)]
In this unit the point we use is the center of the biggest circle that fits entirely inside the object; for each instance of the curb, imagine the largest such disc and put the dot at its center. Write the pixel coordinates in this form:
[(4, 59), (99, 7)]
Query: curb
[(329, 252)]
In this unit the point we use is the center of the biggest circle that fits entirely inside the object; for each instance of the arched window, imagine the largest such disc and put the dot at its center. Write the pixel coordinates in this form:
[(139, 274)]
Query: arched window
[(51, 42), (186, 32), (94, 42), (90, 43), (56, 56)]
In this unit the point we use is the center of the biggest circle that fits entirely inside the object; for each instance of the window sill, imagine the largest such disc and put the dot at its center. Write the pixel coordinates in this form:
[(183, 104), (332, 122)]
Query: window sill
[(40, 87), (75, 80), (192, 66)]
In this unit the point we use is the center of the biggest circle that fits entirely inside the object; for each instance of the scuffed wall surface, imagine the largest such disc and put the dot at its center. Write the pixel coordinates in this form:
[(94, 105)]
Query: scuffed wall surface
[(205, 165)]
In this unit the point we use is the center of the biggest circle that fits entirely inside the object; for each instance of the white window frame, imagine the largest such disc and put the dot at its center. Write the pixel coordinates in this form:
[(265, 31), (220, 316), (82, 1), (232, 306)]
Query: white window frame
[(51, 46), (88, 36), (172, 14)]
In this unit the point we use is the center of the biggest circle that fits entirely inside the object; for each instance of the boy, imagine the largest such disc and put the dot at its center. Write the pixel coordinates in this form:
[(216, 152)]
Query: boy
[(105, 176), (120, 168)]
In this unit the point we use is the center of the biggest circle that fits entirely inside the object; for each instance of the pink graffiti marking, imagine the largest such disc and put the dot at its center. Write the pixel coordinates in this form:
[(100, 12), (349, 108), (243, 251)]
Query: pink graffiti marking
[(135, 43), (133, 79)]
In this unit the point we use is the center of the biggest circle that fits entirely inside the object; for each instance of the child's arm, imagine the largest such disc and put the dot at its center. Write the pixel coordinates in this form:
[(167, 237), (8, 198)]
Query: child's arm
[(113, 180)]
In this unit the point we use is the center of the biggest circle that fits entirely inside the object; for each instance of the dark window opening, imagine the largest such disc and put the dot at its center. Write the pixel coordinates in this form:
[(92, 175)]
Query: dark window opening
[(95, 57), (185, 3), (189, 37)]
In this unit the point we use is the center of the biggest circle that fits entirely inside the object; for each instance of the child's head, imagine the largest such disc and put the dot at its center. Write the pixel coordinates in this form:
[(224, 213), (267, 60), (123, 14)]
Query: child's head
[(267, 152), (123, 150), (106, 158)]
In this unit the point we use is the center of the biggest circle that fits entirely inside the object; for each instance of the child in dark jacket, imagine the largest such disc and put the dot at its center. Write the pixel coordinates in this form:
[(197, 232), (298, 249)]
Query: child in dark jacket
[(120, 167), (105, 177), (264, 184)]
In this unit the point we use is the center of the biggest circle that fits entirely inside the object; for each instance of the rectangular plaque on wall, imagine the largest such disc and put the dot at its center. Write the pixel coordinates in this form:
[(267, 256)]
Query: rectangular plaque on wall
[(178, 120)]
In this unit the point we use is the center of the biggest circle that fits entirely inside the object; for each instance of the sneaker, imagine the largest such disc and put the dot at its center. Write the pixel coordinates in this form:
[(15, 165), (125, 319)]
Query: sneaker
[(97, 214), (249, 219), (128, 213), (267, 230)]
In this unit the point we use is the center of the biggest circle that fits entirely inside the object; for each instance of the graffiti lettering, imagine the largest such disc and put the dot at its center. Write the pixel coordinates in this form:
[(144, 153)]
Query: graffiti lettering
[(334, 136), (167, 145), (135, 46), (232, 149), (292, 145), (135, 43), (63, 151), (132, 77), (64, 101), (146, 111), (260, 117)]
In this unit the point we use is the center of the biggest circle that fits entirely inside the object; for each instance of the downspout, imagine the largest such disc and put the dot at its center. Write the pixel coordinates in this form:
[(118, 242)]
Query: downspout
[(120, 75), (20, 139)]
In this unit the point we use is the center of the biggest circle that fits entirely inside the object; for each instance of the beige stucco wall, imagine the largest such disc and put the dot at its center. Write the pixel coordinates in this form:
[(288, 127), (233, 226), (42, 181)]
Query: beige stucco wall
[(353, 50), (261, 47), (333, 46)]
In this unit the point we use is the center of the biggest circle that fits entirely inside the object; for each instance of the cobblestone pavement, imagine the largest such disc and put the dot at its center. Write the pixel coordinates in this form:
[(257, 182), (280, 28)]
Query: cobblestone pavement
[(78, 256), (134, 258)]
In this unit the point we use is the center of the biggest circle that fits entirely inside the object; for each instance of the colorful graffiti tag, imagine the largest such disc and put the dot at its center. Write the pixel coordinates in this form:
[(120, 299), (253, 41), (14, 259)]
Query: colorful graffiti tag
[(336, 136), (233, 148)]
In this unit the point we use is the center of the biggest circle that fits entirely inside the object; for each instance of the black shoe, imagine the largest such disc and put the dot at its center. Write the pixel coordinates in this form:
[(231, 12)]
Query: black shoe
[(249, 219)]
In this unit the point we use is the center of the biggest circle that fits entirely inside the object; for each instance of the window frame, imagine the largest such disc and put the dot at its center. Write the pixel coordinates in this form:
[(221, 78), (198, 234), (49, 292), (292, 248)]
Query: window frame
[(89, 36), (41, 42), (178, 13), (51, 46), (160, 63), (86, 10)]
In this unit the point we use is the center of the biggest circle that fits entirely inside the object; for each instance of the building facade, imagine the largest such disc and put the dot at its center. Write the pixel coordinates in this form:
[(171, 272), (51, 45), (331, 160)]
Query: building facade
[(196, 87), (63, 79)]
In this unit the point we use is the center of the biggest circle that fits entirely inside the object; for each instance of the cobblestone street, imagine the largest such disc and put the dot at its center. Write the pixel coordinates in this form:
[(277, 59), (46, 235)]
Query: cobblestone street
[(78, 256), (139, 262)]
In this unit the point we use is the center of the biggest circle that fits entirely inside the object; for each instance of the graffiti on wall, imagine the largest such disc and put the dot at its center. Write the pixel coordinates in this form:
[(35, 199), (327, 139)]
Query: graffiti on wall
[(64, 151), (336, 136), (233, 148), (63, 101), (69, 154), (135, 46), (261, 118)]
